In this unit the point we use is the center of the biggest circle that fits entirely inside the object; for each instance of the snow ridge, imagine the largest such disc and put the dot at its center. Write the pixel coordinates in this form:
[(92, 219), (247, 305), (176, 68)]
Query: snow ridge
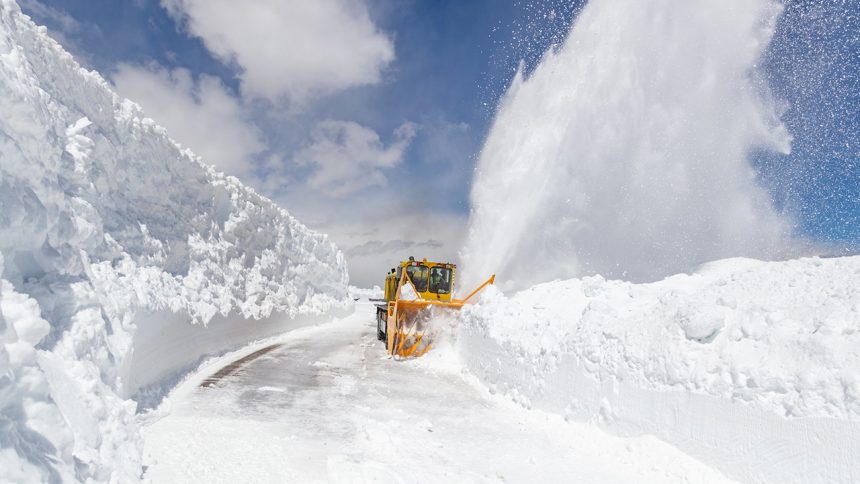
[(751, 366), (103, 218)]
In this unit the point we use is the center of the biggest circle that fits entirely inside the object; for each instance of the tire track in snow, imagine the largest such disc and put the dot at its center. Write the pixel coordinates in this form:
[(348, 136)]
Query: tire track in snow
[(237, 365)]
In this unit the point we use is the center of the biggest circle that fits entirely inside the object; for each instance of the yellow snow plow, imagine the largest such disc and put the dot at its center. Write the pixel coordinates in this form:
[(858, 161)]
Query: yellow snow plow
[(412, 291)]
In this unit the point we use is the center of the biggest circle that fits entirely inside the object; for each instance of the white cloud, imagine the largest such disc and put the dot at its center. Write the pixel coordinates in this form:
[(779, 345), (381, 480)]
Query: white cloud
[(348, 157), (296, 48), (201, 115), (377, 232), (374, 243)]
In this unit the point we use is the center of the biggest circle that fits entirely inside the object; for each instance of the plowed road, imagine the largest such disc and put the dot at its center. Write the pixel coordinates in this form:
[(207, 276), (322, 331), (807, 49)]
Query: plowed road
[(324, 404)]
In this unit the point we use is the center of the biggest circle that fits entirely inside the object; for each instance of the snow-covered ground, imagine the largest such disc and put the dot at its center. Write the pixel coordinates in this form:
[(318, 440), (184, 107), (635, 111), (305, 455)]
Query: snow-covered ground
[(752, 367), (325, 405), (125, 261), (117, 247)]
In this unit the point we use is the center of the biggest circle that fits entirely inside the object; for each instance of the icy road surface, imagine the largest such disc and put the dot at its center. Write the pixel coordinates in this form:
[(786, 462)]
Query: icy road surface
[(324, 404)]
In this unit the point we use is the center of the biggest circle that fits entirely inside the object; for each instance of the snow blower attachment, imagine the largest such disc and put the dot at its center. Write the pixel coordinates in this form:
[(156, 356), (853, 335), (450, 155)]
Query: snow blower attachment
[(413, 291)]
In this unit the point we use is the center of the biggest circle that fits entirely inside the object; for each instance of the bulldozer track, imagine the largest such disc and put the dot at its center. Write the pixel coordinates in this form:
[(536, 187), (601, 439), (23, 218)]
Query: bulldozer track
[(237, 365)]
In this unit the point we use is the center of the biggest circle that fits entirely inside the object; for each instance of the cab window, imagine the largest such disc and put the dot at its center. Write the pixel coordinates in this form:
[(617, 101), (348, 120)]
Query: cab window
[(418, 275), (440, 280)]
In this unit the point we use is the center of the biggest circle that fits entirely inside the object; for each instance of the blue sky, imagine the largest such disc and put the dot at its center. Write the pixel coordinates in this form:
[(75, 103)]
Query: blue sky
[(416, 102), (435, 99), (813, 66)]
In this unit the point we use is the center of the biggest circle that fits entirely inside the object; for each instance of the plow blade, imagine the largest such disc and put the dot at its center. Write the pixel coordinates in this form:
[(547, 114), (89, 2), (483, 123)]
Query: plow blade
[(409, 330)]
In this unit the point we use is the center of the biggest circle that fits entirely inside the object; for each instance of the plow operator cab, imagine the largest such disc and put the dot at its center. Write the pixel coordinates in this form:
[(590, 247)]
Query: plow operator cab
[(430, 280), (412, 288)]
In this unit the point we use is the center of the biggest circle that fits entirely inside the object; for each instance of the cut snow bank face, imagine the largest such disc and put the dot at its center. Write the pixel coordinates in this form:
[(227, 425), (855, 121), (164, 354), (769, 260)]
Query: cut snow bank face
[(117, 247), (752, 367), (625, 152)]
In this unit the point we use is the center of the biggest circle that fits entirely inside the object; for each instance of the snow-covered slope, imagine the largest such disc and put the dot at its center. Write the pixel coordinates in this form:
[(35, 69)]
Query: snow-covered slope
[(116, 248), (750, 366)]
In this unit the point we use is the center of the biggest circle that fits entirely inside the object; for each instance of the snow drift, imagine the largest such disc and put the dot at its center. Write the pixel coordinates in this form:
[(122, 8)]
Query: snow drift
[(116, 248), (625, 152), (752, 367)]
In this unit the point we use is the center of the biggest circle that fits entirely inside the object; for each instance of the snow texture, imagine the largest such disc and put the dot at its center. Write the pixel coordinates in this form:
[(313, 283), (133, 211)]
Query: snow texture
[(408, 292), (750, 366), (117, 247), (310, 410)]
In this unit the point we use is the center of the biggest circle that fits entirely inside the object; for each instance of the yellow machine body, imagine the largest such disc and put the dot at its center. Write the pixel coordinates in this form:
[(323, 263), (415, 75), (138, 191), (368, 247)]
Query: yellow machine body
[(407, 328), (432, 281)]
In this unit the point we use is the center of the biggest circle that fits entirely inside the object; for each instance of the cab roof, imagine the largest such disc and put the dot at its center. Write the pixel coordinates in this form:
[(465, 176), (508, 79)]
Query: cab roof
[(424, 261)]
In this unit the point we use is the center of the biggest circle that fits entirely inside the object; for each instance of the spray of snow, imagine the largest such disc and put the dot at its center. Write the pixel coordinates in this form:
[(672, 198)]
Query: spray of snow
[(625, 152), (116, 250)]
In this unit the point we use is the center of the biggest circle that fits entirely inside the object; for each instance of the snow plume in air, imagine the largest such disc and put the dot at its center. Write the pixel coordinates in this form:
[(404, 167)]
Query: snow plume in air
[(625, 152)]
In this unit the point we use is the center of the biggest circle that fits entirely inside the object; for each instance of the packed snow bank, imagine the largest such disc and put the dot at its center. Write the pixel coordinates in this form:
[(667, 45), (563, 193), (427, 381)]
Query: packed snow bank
[(117, 246), (750, 366)]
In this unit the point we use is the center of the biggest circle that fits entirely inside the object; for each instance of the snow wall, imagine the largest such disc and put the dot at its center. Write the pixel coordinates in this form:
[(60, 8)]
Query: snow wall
[(752, 367), (117, 247)]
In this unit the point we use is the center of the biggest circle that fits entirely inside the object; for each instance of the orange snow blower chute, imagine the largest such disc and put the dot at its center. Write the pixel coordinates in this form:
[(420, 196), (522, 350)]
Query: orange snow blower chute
[(412, 291)]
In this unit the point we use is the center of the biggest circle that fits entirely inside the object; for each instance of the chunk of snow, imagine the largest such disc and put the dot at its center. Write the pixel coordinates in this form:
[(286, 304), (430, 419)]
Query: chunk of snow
[(408, 292)]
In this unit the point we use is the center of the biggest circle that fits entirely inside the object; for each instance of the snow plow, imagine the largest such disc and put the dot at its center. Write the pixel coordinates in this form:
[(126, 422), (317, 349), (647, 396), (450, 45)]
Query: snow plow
[(413, 291)]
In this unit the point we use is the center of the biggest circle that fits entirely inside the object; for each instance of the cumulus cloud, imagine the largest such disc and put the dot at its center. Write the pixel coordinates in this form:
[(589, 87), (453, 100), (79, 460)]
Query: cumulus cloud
[(296, 48), (348, 157), (201, 115)]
